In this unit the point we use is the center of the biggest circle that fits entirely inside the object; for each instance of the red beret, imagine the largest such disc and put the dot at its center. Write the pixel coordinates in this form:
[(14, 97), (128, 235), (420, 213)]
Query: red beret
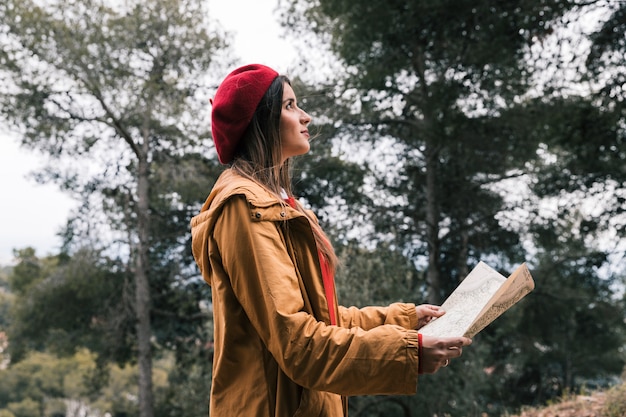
[(234, 104)]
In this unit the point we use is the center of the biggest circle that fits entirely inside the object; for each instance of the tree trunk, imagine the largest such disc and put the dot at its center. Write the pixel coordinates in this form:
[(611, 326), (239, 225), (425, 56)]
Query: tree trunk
[(463, 251), (433, 276), (142, 286), (431, 154)]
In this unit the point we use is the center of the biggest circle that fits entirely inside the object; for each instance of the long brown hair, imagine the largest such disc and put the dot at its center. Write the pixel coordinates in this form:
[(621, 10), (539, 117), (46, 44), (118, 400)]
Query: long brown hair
[(259, 154)]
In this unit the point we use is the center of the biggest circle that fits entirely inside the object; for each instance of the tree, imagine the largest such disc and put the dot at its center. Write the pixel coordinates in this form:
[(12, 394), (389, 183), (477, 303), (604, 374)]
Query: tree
[(374, 277), (117, 87), (438, 100), (97, 318), (606, 57), (40, 378), (580, 123), (45, 384), (572, 332), (569, 333), (435, 92), (582, 162)]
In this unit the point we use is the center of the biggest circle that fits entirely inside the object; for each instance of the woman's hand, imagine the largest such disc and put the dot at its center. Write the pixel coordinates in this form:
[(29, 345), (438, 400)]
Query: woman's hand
[(425, 314), (436, 352)]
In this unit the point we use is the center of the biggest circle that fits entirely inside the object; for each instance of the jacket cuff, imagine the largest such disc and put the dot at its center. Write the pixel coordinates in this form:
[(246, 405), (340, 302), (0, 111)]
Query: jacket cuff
[(413, 359)]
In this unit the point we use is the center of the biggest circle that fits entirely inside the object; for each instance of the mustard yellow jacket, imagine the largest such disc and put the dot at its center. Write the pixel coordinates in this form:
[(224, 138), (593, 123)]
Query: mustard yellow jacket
[(276, 353)]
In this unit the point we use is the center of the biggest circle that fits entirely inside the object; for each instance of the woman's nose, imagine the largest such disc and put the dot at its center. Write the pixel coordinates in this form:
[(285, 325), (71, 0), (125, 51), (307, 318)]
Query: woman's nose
[(305, 118)]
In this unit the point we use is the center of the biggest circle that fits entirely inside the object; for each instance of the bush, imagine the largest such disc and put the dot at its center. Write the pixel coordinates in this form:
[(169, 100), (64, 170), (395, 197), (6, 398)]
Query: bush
[(25, 408), (615, 405)]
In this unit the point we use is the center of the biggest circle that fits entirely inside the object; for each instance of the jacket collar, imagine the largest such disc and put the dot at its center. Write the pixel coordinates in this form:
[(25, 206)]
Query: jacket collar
[(260, 200)]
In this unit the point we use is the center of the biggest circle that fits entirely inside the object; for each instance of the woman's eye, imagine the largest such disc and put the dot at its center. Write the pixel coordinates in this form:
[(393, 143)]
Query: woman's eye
[(290, 105)]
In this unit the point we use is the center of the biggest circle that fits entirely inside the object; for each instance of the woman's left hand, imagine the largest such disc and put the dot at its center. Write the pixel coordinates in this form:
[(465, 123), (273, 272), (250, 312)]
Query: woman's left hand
[(426, 312)]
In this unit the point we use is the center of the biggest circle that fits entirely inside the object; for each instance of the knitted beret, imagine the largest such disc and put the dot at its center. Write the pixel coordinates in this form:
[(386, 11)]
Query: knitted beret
[(234, 104)]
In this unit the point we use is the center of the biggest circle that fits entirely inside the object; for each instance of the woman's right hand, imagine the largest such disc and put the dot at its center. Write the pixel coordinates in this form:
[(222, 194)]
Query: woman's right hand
[(436, 352)]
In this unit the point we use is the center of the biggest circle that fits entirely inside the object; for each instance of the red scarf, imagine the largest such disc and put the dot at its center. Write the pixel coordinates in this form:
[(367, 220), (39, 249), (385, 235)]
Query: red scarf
[(327, 276)]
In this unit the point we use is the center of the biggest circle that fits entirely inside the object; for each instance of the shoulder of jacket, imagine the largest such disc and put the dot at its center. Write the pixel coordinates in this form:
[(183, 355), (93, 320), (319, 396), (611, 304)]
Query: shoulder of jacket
[(233, 184), (262, 205)]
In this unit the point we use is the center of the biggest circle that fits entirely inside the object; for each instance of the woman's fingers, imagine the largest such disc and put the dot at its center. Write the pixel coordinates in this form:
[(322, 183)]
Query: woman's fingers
[(437, 352), (426, 312)]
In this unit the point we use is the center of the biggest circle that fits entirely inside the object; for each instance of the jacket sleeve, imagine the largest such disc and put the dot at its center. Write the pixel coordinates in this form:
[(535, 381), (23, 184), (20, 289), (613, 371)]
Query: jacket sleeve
[(382, 360), (400, 314)]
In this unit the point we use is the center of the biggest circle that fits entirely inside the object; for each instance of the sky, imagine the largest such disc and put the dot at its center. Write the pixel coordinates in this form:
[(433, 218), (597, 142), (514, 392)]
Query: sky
[(33, 214)]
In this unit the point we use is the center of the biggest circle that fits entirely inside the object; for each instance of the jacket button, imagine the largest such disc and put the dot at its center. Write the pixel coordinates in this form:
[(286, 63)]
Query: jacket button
[(258, 214)]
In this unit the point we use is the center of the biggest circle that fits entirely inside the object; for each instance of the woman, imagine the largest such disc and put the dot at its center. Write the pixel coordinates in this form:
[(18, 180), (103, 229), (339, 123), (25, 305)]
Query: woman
[(283, 345)]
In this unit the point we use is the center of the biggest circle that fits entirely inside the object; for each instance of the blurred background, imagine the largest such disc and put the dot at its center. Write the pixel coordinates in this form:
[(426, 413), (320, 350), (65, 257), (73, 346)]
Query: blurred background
[(447, 133)]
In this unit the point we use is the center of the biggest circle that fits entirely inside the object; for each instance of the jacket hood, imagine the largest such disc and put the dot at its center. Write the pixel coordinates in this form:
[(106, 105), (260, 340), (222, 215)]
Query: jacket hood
[(228, 185)]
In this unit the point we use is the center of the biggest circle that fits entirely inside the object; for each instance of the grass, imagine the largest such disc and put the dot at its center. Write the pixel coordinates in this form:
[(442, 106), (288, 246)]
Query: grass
[(609, 403)]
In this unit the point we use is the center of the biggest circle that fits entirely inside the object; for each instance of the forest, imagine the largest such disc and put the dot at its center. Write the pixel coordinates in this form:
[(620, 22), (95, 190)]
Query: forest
[(446, 133)]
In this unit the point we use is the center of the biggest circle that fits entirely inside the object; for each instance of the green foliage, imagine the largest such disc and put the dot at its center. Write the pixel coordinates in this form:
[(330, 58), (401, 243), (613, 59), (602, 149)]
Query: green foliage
[(27, 272), (6, 299), (381, 38), (189, 385), (4, 276), (464, 381), (582, 165), (438, 95), (42, 384), (615, 405), (439, 115), (376, 277), (587, 143), (606, 56), (332, 186), (117, 65), (82, 302), (176, 290), (78, 302), (31, 382), (570, 329), (25, 408), (426, 118), (120, 89)]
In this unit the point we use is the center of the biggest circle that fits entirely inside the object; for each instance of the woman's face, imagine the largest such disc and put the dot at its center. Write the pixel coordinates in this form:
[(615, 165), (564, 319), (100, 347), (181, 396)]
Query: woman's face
[(294, 135)]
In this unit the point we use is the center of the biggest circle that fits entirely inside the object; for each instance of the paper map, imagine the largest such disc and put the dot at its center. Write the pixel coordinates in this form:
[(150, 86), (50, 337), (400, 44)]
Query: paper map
[(480, 298)]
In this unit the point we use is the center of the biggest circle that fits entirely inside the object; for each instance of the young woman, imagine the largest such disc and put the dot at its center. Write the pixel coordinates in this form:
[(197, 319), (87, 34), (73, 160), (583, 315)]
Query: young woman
[(283, 345)]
